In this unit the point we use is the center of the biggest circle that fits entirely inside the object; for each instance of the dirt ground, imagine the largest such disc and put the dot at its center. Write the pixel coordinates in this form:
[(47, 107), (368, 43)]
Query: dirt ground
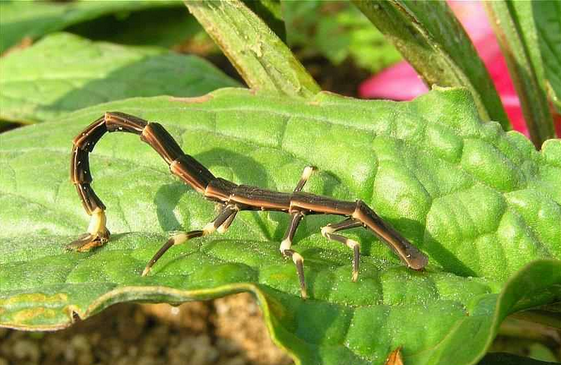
[(226, 331)]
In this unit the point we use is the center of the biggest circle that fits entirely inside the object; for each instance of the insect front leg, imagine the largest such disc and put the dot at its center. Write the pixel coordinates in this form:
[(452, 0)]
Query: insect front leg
[(226, 216)]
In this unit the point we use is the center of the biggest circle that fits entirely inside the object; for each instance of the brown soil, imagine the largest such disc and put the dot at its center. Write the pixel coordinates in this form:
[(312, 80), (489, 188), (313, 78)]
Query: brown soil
[(226, 331)]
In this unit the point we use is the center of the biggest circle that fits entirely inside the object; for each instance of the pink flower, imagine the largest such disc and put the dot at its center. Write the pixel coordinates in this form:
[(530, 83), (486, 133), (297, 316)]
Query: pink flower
[(401, 82)]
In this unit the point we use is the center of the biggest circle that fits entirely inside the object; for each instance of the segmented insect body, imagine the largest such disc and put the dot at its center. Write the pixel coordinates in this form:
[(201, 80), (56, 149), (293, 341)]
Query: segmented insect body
[(232, 198)]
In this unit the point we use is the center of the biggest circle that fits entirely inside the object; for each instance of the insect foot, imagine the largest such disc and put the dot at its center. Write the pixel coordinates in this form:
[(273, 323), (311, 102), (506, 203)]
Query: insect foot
[(299, 262), (96, 236)]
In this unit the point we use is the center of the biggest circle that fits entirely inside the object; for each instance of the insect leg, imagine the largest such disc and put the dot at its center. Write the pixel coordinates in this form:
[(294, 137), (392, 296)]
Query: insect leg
[(329, 233), (296, 257), (224, 227), (225, 214), (295, 219), (299, 262), (176, 239), (305, 176)]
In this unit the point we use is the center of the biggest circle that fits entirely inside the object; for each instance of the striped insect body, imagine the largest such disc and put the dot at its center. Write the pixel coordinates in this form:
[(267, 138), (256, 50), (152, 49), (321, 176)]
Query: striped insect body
[(231, 197)]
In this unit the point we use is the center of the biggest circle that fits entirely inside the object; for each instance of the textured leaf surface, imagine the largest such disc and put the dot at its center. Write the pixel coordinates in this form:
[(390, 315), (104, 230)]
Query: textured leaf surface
[(483, 204), (63, 73), (433, 41), (22, 19), (259, 55)]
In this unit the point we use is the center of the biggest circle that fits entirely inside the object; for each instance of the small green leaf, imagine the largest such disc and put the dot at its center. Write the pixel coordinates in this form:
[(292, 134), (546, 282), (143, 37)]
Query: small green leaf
[(261, 58), (432, 40), (483, 204), (63, 73), (22, 19), (513, 22)]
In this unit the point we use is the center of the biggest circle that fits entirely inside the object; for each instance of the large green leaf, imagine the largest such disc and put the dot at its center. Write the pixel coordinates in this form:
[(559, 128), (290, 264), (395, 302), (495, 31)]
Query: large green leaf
[(63, 73), (20, 19), (483, 204)]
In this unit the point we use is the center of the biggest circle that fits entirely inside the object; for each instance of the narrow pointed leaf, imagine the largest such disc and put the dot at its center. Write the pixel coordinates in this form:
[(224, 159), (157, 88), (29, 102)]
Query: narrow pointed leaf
[(516, 33), (483, 204), (547, 20), (432, 40), (63, 73), (261, 58)]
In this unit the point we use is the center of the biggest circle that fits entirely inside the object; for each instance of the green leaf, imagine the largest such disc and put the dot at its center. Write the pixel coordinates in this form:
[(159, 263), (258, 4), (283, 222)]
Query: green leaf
[(144, 28), (432, 40), (483, 204), (22, 19), (337, 31), (63, 73), (261, 58), (513, 23), (547, 20)]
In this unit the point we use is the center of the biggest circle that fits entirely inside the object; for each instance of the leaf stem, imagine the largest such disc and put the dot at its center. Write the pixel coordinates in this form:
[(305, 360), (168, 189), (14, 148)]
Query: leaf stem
[(261, 58), (432, 40), (504, 16)]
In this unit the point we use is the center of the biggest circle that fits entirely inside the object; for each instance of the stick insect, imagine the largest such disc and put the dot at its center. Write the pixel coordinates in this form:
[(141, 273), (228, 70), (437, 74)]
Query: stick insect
[(232, 198)]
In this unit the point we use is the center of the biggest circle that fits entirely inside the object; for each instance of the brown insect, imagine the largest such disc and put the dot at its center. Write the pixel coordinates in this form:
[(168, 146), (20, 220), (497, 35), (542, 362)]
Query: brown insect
[(231, 197)]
